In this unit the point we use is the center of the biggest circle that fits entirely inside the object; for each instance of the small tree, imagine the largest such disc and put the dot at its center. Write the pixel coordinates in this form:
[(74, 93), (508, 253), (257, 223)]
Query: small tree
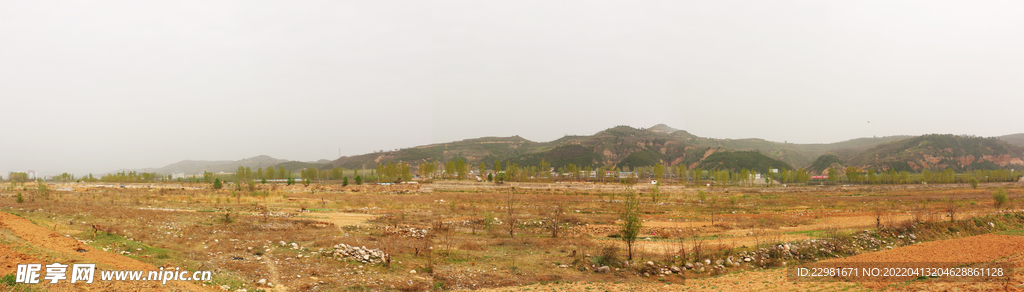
[(20, 199), (291, 180), (952, 207), (344, 182), (359, 180), (306, 182), (217, 184), (879, 212), (974, 182), (1000, 197), (44, 191), (511, 201), (556, 218), (630, 220)]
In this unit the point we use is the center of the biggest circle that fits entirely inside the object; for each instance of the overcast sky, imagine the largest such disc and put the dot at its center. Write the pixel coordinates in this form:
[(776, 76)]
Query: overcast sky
[(96, 86)]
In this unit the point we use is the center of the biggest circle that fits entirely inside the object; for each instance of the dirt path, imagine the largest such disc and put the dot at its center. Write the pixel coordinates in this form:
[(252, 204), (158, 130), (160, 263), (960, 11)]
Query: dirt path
[(275, 276), (71, 250)]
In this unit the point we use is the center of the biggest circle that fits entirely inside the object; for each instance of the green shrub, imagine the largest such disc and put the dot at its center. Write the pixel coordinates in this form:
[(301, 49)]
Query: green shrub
[(1000, 197), (8, 280), (609, 257)]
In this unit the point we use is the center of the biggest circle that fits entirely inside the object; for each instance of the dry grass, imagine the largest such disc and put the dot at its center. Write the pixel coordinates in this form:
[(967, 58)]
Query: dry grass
[(465, 248)]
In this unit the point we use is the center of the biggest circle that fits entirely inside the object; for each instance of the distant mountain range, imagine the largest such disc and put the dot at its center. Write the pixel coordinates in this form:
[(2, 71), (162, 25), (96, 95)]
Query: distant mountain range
[(933, 152), (625, 146)]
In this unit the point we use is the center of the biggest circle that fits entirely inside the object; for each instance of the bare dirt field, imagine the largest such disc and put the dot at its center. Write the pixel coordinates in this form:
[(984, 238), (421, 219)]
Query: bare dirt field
[(510, 237)]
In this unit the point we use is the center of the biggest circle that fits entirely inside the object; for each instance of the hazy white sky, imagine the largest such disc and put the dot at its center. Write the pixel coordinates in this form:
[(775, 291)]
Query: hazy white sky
[(94, 86)]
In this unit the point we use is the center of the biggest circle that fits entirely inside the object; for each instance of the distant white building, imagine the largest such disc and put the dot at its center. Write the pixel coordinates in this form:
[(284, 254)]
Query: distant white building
[(178, 174)]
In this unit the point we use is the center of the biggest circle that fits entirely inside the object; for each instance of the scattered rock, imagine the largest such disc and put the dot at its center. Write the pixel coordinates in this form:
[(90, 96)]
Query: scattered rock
[(603, 269), (412, 271), (675, 269), (360, 254)]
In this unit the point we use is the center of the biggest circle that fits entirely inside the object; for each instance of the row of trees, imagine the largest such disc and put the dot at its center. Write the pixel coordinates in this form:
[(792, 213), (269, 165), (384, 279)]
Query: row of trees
[(458, 169), (131, 177), (869, 176), (393, 172)]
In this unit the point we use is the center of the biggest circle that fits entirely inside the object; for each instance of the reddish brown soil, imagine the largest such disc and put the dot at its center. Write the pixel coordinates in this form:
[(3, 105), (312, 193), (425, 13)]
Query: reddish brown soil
[(68, 252), (9, 260), (974, 249)]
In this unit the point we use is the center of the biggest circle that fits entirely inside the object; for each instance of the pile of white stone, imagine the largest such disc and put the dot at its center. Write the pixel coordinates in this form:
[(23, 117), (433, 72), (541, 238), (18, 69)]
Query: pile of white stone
[(357, 253)]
